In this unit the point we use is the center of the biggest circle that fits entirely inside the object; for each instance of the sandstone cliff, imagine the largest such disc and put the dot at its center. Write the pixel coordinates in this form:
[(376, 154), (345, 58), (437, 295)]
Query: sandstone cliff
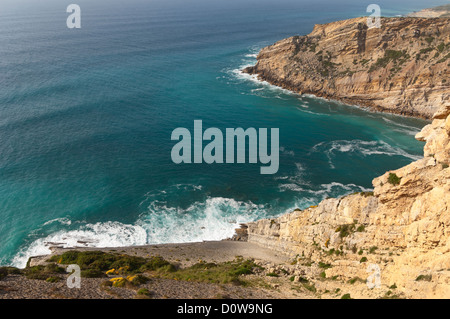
[(403, 226), (402, 67)]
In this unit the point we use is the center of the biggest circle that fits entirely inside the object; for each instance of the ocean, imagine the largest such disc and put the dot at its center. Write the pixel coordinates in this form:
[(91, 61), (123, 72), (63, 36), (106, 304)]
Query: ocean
[(86, 117)]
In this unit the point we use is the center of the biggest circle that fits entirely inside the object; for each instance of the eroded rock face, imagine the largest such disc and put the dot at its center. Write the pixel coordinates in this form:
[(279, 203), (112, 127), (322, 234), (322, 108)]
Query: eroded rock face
[(402, 67), (403, 226)]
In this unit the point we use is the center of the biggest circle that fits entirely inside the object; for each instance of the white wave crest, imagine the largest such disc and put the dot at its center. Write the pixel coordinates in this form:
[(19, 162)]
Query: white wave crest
[(108, 234), (365, 148), (215, 219)]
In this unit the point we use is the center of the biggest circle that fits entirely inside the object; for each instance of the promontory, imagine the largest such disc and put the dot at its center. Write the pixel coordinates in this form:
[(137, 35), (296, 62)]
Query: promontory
[(401, 67)]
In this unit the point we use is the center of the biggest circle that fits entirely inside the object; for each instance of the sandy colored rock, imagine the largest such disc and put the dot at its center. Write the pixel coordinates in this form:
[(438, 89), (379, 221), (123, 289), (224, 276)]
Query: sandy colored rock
[(404, 228), (401, 67)]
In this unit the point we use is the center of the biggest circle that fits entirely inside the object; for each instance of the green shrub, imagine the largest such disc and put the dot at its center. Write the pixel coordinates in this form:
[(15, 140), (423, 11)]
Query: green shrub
[(303, 280), (92, 273), (310, 287), (92, 263), (5, 271), (346, 296), (366, 194), (390, 55), (42, 272), (324, 265), (227, 272), (137, 280), (394, 179), (424, 278), (156, 263), (345, 230), (355, 279), (363, 260)]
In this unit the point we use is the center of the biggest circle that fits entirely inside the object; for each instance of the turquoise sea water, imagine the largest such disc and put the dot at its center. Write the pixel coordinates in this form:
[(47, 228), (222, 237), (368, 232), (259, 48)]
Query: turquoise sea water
[(86, 118)]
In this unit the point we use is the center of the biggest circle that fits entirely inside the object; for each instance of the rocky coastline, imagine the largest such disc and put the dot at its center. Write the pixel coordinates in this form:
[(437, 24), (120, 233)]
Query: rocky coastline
[(396, 237), (402, 228), (401, 67)]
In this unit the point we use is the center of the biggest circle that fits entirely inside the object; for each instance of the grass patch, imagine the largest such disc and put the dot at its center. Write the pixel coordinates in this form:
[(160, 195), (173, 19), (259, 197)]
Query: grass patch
[(5, 271), (43, 272), (96, 263), (227, 272)]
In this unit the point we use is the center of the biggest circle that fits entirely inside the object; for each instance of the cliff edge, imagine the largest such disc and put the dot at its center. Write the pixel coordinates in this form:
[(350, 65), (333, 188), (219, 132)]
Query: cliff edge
[(402, 227), (401, 67)]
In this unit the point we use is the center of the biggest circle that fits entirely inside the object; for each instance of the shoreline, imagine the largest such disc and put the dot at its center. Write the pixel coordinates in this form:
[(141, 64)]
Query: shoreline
[(358, 103), (277, 280), (315, 95), (374, 69)]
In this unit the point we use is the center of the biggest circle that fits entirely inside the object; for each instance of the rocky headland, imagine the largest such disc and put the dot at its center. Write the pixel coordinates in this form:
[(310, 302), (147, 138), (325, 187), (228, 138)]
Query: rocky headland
[(436, 12), (401, 67)]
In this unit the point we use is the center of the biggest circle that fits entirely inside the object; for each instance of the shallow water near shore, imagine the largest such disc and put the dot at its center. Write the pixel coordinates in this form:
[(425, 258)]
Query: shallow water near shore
[(87, 115)]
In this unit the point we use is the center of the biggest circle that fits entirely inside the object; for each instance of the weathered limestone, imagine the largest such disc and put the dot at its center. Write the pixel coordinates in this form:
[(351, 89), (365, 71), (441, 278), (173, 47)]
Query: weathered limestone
[(403, 228), (402, 67)]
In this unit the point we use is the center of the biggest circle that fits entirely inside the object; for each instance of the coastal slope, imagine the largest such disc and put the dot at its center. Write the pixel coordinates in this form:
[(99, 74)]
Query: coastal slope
[(401, 67), (401, 228)]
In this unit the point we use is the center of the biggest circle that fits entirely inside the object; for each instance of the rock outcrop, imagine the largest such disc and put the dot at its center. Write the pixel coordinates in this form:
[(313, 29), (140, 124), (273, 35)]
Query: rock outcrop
[(401, 67), (436, 12), (403, 226)]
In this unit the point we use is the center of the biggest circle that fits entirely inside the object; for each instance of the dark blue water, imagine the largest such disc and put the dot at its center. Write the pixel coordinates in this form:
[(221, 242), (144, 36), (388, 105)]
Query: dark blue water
[(86, 118)]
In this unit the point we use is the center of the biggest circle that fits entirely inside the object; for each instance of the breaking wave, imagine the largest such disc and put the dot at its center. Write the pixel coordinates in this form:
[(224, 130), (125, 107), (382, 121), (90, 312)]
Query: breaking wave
[(364, 148), (214, 219)]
